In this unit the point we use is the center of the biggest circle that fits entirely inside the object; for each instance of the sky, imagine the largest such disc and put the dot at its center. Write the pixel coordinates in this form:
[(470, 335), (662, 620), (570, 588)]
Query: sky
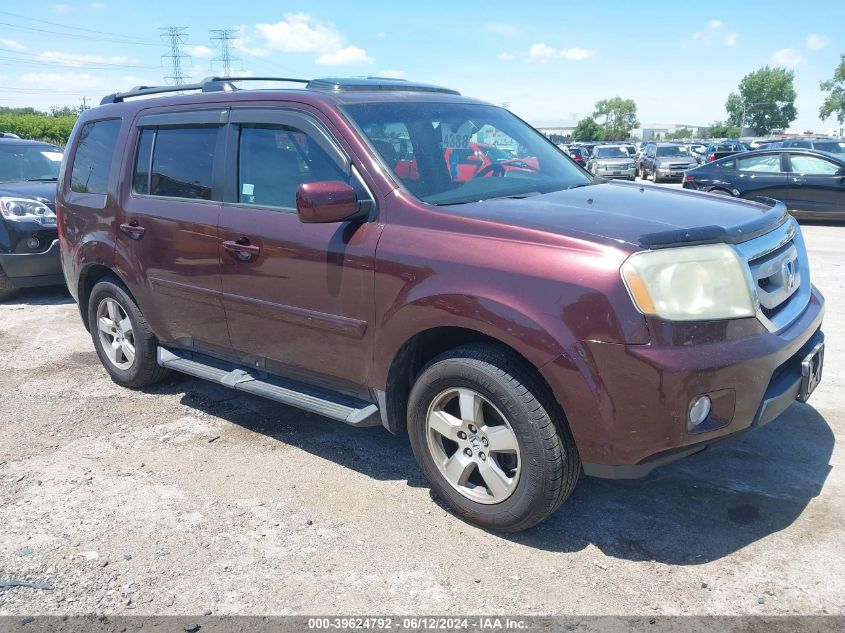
[(545, 60)]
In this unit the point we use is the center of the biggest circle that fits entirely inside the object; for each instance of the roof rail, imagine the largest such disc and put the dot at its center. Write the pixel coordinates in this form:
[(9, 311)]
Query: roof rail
[(209, 84)]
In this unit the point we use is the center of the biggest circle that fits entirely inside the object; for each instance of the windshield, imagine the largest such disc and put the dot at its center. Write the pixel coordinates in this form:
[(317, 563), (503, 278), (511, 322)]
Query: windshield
[(671, 150), (29, 162), (830, 146), (442, 151), (610, 152)]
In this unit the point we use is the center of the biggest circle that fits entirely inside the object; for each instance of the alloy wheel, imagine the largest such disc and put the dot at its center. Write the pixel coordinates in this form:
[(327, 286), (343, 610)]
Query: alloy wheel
[(473, 445), (116, 334)]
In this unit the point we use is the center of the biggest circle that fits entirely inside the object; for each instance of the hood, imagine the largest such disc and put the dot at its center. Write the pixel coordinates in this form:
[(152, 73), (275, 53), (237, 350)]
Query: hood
[(640, 215), (41, 191)]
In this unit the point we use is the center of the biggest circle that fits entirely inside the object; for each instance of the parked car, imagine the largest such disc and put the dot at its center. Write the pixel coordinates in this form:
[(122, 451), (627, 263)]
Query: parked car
[(522, 329), (721, 149), (810, 183), (612, 161), (832, 145), (578, 155), (29, 249), (663, 161)]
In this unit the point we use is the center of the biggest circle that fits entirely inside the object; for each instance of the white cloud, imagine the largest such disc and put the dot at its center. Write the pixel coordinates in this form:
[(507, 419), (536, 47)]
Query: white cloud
[(67, 81), (345, 56), (543, 53), (505, 57), (715, 31), (302, 33), (98, 5), (198, 51), (74, 59), (12, 45), (786, 57), (816, 41), (715, 24), (392, 74), (576, 53), (62, 9), (730, 40)]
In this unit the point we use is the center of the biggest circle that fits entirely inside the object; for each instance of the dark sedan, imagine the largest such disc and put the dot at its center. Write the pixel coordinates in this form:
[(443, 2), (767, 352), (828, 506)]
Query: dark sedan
[(811, 183)]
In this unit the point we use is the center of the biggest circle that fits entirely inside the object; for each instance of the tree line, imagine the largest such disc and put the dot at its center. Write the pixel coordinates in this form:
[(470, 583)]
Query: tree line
[(53, 126), (764, 102)]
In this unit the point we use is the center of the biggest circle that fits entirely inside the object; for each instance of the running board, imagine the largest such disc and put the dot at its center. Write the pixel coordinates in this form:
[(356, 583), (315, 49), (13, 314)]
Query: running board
[(314, 400)]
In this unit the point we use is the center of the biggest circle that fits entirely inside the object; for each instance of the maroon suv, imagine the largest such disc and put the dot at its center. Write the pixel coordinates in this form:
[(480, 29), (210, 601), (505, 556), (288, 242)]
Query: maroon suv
[(521, 325)]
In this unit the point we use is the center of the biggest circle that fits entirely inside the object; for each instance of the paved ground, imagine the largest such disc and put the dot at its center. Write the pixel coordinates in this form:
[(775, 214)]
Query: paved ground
[(189, 498)]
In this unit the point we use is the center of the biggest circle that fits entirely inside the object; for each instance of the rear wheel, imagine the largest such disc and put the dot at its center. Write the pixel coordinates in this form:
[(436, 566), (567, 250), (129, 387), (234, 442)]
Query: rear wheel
[(123, 340), (654, 177), (491, 441)]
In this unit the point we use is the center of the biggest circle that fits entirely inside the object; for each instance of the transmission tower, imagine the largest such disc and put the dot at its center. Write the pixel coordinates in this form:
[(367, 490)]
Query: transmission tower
[(221, 38), (174, 37)]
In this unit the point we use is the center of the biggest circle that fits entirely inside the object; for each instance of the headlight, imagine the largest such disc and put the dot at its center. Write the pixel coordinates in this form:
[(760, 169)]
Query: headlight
[(690, 283), (23, 210)]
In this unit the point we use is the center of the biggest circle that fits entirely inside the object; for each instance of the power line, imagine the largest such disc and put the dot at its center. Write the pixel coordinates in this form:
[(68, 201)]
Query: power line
[(175, 39), (74, 36), (97, 32), (222, 37), (42, 58)]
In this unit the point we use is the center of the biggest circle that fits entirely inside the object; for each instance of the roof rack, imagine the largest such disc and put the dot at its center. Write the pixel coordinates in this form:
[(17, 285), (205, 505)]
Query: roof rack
[(209, 84), (330, 84)]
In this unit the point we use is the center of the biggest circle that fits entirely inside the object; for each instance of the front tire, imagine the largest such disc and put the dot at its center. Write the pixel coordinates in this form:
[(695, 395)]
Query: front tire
[(7, 291), (491, 441), (124, 342)]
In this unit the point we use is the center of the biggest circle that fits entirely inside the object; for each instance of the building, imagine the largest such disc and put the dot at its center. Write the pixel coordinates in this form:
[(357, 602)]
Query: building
[(555, 127), (659, 131)]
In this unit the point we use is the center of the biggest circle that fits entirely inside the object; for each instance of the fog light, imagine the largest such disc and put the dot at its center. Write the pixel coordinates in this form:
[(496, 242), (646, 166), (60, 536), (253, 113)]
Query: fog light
[(33, 243), (698, 411)]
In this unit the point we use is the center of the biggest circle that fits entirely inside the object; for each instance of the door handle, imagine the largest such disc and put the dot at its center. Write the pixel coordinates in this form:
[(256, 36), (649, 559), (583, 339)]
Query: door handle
[(242, 249), (133, 230), (799, 180)]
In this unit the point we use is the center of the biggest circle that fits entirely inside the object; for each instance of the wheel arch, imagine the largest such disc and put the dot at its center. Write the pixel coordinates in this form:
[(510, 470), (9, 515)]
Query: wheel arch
[(88, 278)]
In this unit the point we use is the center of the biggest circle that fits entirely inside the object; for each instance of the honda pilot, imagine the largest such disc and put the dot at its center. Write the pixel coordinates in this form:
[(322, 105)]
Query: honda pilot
[(522, 326)]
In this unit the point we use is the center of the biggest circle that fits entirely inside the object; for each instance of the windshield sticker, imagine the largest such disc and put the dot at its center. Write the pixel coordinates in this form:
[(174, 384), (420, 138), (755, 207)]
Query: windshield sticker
[(456, 138), (56, 157), (248, 189)]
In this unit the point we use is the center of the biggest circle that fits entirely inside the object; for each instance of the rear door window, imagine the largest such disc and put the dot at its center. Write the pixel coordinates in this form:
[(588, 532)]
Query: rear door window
[(768, 163), (176, 162), (94, 156)]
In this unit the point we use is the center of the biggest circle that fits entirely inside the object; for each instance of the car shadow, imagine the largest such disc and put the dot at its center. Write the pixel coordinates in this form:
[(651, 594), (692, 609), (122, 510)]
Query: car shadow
[(50, 295), (693, 511)]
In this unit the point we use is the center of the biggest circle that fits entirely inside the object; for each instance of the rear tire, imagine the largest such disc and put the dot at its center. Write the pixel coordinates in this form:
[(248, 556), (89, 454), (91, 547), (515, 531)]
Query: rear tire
[(516, 462), (654, 177), (124, 342)]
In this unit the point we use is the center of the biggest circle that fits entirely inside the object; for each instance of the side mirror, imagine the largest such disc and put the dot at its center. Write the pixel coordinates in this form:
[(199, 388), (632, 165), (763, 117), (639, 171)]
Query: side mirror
[(841, 171), (326, 202)]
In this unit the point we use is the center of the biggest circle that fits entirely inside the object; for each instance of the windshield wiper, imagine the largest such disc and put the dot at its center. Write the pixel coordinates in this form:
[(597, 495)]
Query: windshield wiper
[(580, 184), (41, 179)]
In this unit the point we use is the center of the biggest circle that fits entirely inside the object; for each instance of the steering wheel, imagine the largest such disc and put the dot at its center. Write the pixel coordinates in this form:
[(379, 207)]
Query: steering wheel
[(494, 169)]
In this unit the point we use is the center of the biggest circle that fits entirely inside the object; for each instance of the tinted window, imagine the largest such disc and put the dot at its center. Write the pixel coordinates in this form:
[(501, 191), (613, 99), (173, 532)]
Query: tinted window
[(273, 160), (812, 165), (769, 163), (141, 179), (183, 160), (671, 150), (94, 153), (830, 146)]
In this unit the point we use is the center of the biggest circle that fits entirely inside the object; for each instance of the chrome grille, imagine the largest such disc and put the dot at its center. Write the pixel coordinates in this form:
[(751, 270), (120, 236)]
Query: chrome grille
[(779, 275)]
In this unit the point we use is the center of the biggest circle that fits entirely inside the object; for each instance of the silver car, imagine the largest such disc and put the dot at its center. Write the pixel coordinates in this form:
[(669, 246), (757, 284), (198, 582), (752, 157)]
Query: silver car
[(612, 161)]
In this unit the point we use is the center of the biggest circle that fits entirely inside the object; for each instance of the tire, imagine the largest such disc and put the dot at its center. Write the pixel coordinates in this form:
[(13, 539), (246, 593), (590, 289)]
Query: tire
[(654, 177), (539, 458), (142, 370), (7, 291), (721, 192)]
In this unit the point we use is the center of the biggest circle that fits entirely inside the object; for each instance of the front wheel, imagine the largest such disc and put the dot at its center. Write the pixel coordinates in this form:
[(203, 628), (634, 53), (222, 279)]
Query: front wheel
[(7, 291), (123, 339), (490, 440)]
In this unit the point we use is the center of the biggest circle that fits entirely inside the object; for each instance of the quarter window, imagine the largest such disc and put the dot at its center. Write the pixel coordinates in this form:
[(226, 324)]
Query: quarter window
[(273, 160), (812, 165), (767, 164), (94, 153)]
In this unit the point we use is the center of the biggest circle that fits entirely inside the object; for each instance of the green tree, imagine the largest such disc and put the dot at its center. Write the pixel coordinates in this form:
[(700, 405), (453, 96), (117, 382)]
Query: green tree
[(723, 130), (620, 117), (682, 132), (834, 102), (587, 130), (765, 101), (40, 126)]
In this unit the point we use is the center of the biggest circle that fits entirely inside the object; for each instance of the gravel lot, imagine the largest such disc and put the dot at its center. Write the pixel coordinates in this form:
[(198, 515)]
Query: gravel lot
[(189, 499)]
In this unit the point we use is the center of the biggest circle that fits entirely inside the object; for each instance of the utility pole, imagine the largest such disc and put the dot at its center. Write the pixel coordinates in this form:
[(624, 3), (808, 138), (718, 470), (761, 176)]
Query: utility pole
[(174, 37), (221, 38)]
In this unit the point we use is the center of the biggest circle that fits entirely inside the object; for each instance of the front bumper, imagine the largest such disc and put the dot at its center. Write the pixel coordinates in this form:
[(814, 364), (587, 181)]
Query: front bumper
[(667, 172), (27, 270), (635, 419), (610, 172)]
